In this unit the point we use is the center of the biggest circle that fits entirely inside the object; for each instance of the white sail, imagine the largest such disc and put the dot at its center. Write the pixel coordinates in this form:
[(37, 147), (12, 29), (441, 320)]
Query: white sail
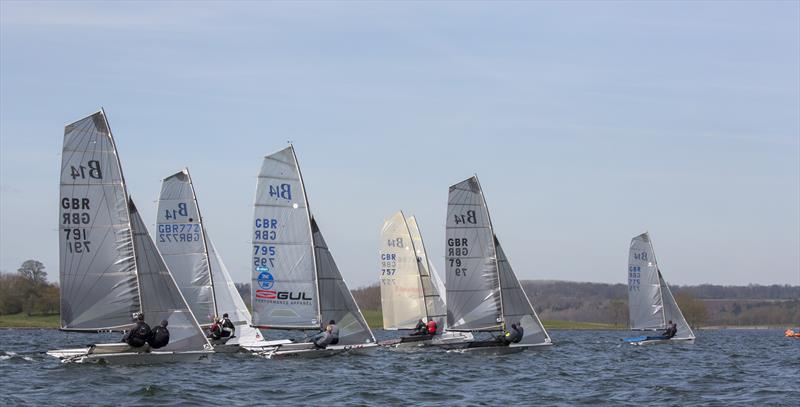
[(229, 301), (97, 268), (284, 281), (336, 300), (160, 296), (645, 305), (517, 307), (402, 297), (432, 286), (674, 314), (181, 240), (473, 286)]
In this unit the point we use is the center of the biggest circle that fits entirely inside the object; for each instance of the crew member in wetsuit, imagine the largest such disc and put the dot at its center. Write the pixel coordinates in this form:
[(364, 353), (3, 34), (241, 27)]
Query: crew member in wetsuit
[(431, 327), (521, 331), (228, 329), (420, 329), (159, 337), (511, 335), (139, 334), (334, 330), (671, 330), (215, 330), (323, 339)]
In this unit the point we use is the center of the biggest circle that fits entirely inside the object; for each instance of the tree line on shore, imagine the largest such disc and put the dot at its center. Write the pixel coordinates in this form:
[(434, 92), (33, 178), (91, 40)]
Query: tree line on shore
[(28, 291)]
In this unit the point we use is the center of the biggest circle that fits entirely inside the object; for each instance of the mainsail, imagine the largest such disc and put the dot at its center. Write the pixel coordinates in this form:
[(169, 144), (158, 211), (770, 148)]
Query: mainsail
[(402, 296), (161, 298), (194, 262), (473, 287), (295, 281), (409, 290), (97, 268), (181, 240), (650, 301), (483, 292)]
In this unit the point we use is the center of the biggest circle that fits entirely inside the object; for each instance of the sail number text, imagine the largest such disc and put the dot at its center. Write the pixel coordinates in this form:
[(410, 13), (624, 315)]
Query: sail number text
[(90, 170), (634, 278), (457, 248), (469, 217), (76, 214)]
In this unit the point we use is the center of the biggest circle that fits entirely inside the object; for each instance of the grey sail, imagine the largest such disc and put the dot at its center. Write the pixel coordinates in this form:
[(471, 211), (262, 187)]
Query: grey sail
[(97, 266), (645, 304), (673, 313), (181, 241), (284, 282), (160, 296), (336, 301), (517, 306), (432, 286), (402, 296), (473, 287)]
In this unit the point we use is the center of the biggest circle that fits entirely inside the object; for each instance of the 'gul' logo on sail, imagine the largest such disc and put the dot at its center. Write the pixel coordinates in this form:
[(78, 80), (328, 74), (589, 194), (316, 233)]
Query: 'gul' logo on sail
[(282, 295)]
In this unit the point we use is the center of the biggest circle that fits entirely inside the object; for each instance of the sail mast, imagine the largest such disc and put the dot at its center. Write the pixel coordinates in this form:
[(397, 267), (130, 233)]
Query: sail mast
[(205, 243), (494, 245), (658, 270), (311, 235), (125, 191)]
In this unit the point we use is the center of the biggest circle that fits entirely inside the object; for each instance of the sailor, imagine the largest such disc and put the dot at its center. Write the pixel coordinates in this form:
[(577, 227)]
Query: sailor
[(139, 334), (521, 331), (215, 330), (511, 335), (159, 338), (228, 329), (420, 329), (432, 327), (671, 330), (334, 330), (323, 339)]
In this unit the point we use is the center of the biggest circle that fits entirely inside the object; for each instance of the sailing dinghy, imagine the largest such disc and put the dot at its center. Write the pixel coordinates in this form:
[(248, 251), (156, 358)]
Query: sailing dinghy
[(410, 287), (650, 301), (483, 293), (109, 268), (296, 284), (196, 265)]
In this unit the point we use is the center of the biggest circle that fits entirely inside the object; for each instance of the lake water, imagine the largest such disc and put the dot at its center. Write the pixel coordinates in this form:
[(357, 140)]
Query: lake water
[(757, 367)]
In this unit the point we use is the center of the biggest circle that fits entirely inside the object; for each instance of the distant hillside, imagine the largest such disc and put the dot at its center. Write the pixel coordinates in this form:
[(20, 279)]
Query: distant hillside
[(608, 303)]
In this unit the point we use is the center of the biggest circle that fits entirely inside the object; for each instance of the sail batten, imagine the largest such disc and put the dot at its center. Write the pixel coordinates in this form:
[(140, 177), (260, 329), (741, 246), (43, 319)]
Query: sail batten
[(402, 294)]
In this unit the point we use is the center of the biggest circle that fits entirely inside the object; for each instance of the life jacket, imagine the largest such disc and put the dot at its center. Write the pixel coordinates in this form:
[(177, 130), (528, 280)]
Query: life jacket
[(159, 338), (432, 327), (216, 332)]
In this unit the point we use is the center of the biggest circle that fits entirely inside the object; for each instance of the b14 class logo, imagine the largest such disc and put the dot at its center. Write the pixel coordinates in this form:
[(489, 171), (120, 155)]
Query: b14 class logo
[(265, 279)]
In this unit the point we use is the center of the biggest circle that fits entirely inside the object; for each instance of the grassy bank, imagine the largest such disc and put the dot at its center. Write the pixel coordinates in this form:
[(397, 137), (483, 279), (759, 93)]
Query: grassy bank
[(25, 321)]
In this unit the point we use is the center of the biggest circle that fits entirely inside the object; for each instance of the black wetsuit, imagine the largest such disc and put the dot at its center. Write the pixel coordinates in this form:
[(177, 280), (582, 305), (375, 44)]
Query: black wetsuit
[(420, 329), (159, 338), (520, 333), (228, 328), (138, 335)]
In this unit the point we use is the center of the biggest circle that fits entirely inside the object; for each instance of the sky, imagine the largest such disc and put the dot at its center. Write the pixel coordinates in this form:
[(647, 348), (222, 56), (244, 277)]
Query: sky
[(587, 123)]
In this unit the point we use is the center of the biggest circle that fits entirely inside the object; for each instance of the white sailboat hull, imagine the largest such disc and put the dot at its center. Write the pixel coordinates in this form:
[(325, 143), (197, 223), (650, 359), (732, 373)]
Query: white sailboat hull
[(309, 351), (501, 349), (662, 341), (122, 354)]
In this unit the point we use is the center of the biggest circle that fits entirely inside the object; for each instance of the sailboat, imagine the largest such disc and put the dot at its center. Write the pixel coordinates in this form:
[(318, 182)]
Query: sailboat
[(483, 293), (109, 268), (650, 301), (410, 287), (296, 284), (196, 265)]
